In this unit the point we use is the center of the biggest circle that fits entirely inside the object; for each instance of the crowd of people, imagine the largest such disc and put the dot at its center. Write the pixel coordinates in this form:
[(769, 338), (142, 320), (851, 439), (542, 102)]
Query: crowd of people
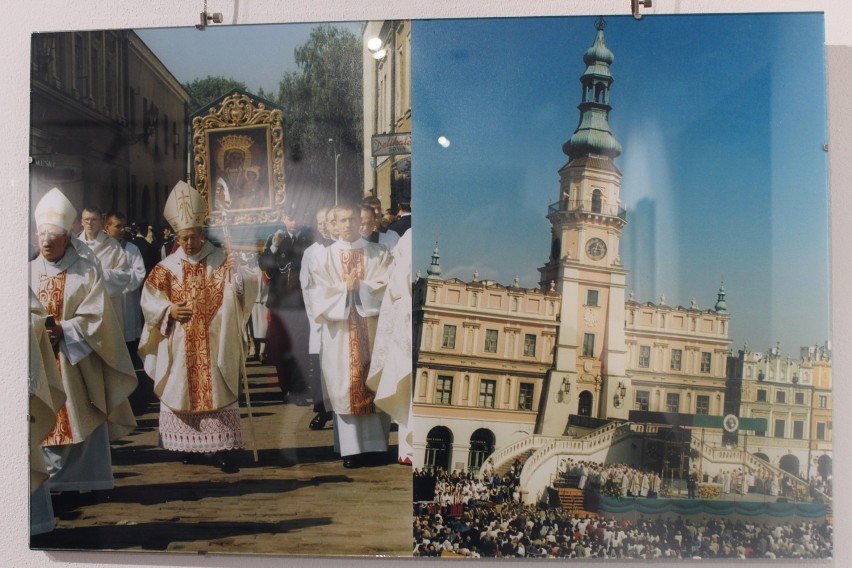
[(823, 484), (460, 488), (492, 524), (104, 297)]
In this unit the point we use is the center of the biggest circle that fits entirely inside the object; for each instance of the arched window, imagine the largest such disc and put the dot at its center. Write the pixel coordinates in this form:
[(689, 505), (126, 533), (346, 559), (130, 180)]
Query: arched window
[(824, 466), (584, 404), (597, 201), (762, 456), (439, 445), (600, 93), (481, 446), (790, 464)]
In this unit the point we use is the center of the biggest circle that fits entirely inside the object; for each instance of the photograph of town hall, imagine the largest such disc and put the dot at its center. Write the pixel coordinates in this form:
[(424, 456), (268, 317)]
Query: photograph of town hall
[(621, 321)]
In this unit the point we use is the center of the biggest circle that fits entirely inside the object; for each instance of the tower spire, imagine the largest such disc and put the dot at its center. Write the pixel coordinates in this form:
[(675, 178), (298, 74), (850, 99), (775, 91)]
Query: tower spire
[(721, 305), (434, 270), (592, 135)]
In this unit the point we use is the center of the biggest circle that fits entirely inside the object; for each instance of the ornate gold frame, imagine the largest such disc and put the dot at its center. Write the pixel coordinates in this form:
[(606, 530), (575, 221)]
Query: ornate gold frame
[(235, 114)]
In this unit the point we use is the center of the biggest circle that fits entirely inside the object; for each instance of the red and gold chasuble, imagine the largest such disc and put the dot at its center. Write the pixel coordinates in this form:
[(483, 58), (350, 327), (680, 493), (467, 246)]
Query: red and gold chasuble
[(205, 296), (51, 294), (360, 397)]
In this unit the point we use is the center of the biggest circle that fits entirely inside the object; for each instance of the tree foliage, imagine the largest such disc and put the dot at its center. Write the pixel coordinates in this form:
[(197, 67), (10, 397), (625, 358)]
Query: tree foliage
[(322, 101), (204, 91)]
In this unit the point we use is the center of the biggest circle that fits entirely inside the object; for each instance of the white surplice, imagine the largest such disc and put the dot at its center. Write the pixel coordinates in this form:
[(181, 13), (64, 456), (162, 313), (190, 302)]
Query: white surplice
[(132, 294), (344, 371), (390, 367), (114, 265), (96, 371)]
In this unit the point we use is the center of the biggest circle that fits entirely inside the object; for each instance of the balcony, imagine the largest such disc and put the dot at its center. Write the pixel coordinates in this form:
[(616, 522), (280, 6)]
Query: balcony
[(587, 207)]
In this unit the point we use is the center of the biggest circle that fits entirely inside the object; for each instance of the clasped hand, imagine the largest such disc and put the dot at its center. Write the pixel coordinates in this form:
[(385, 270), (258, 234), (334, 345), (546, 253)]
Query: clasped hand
[(181, 312), (352, 281), (55, 334)]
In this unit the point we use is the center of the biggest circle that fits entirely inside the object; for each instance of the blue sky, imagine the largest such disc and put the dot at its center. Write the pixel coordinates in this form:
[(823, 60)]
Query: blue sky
[(722, 124), (721, 119), (257, 55)]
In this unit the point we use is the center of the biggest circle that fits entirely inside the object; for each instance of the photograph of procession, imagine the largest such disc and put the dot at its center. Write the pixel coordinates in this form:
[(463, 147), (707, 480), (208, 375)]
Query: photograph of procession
[(608, 338), (219, 277)]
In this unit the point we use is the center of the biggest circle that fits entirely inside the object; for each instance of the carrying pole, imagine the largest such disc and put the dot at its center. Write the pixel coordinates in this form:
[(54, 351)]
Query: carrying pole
[(226, 230)]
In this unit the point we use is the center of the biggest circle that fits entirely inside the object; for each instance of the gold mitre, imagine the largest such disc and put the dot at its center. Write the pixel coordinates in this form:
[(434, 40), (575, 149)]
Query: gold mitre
[(185, 207), (54, 208)]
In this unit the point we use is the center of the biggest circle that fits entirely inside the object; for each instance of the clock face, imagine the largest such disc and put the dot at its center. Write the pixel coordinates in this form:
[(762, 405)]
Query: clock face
[(596, 249)]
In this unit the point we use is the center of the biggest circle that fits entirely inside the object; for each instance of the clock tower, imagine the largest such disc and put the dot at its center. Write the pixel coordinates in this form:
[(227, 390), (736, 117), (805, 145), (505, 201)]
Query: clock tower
[(588, 378)]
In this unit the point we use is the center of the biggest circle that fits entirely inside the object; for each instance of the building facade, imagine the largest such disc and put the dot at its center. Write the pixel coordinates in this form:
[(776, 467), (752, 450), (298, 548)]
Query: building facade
[(820, 456), (79, 116), (387, 111), (107, 120), (794, 397), (158, 128), (677, 357), (482, 355)]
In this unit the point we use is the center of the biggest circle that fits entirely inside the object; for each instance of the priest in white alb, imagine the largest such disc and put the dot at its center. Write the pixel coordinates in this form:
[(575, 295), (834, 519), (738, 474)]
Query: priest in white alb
[(109, 253), (346, 290), (194, 341), (390, 370), (88, 350)]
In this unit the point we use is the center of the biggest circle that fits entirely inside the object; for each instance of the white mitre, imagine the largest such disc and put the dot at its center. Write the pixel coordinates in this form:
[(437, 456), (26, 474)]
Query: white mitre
[(55, 209), (185, 207)]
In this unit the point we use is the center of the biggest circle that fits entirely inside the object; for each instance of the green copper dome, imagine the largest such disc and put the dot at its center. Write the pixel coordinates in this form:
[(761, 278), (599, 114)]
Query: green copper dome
[(599, 52), (592, 135), (721, 304)]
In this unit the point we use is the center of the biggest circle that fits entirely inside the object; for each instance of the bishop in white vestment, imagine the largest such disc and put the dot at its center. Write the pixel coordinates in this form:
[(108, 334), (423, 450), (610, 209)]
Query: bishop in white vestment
[(194, 341), (95, 368)]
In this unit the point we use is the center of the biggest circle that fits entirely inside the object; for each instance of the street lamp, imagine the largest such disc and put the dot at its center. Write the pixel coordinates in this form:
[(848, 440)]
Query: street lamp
[(620, 394), (336, 157), (562, 394)]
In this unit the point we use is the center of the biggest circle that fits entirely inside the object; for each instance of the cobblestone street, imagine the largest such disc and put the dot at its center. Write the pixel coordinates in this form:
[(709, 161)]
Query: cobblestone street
[(298, 499)]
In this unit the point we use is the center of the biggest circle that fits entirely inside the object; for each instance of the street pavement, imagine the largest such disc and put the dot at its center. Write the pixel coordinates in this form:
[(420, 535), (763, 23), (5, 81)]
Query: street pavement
[(298, 499)]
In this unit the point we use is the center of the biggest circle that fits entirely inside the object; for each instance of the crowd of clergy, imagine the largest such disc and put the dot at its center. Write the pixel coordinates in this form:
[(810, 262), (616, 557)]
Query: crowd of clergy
[(622, 480), (618, 479), (106, 302)]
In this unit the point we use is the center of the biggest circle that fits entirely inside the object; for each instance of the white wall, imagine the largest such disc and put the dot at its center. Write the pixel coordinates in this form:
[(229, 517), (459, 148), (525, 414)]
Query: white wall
[(28, 16)]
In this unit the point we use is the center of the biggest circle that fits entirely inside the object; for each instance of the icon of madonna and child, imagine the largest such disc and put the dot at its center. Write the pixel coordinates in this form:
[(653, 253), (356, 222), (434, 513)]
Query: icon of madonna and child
[(241, 174)]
